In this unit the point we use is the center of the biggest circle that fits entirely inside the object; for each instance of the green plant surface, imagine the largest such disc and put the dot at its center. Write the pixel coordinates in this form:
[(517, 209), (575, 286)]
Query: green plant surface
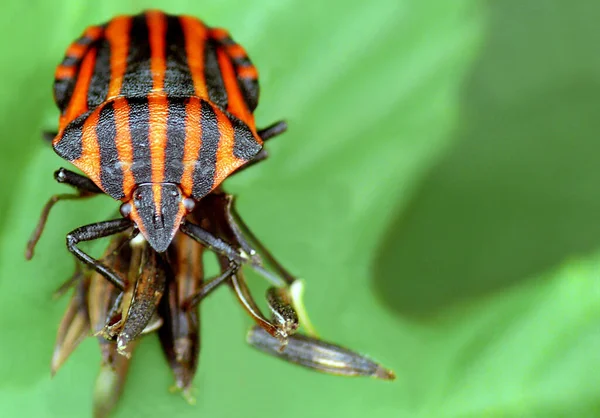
[(437, 191)]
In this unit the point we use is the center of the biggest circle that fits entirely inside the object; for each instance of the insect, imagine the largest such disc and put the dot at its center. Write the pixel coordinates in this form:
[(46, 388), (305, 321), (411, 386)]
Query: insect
[(156, 111)]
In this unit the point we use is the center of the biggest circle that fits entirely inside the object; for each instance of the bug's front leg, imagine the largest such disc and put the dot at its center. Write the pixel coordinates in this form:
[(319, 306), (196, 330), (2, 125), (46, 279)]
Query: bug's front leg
[(92, 232), (84, 187), (213, 243)]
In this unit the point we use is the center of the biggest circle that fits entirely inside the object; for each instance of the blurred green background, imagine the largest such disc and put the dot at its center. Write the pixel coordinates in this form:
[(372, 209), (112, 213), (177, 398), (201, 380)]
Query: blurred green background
[(437, 190)]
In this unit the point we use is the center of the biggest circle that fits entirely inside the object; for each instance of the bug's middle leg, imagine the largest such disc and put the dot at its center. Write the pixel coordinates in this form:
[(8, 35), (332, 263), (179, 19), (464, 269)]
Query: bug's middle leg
[(85, 188), (273, 130)]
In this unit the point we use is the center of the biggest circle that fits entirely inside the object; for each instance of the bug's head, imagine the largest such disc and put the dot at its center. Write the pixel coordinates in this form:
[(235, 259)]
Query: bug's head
[(157, 210)]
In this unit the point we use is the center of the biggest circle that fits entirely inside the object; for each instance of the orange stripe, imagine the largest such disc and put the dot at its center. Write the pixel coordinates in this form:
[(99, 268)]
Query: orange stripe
[(157, 104), (193, 142), (247, 72), (226, 161), (236, 104), (93, 32), (157, 28), (135, 216), (117, 35), (157, 195), (236, 51), (89, 162), (195, 34), (76, 50), (158, 109), (124, 145), (219, 34), (63, 72), (78, 102)]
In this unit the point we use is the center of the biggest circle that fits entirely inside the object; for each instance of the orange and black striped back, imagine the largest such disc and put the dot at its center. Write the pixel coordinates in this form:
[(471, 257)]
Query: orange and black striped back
[(155, 98)]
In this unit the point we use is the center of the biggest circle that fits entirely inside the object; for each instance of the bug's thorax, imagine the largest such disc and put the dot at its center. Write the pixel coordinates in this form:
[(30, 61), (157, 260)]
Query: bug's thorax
[(157, 209)]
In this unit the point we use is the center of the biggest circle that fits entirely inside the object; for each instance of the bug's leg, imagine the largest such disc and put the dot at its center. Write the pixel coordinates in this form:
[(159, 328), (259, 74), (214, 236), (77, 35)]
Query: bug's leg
[(48, 136), (210, 285), (273, 130), (243, 294), (294, 288), (78, 274), (213, 243), (261, 156), (79, 182), (267, 133), (240, 229), (92, 232), (228, 255), (255, 258), (85, 188)]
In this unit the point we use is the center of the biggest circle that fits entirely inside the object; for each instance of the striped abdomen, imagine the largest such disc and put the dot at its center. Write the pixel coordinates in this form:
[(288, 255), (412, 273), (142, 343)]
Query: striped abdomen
[(156, 98)]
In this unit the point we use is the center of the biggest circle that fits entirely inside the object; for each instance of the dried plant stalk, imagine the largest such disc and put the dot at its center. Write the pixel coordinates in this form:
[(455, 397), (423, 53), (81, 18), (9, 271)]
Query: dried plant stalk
[(318, 355)]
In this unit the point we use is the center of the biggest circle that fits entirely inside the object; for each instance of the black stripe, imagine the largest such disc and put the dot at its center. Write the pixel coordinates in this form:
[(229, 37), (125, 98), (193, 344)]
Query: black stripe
[(63, 90), (212, 73), (227, 41), (178, 78), (137, 81), (175, 141), (111, 171), (250, 91), (70, 61), (204, 172), (63, 87), (70, 145), (139, 127), (85, 40), (98, 88), (245, 145), (248, 86)]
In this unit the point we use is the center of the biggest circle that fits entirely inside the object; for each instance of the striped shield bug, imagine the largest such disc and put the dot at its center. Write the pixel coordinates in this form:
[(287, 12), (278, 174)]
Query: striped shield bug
[(156, 110)]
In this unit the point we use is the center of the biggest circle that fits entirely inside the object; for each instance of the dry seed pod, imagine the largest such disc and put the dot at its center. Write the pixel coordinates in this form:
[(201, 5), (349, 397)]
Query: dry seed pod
[(74, 326), (318, 355), (180, 334), (284, 315), (111, 378)]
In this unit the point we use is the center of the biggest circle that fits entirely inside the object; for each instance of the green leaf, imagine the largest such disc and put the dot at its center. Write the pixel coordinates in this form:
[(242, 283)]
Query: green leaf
[(437, 191)]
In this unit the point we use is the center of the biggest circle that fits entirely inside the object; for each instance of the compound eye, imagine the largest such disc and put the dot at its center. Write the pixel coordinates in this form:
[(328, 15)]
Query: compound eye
[(125, 209), (189, 204)]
